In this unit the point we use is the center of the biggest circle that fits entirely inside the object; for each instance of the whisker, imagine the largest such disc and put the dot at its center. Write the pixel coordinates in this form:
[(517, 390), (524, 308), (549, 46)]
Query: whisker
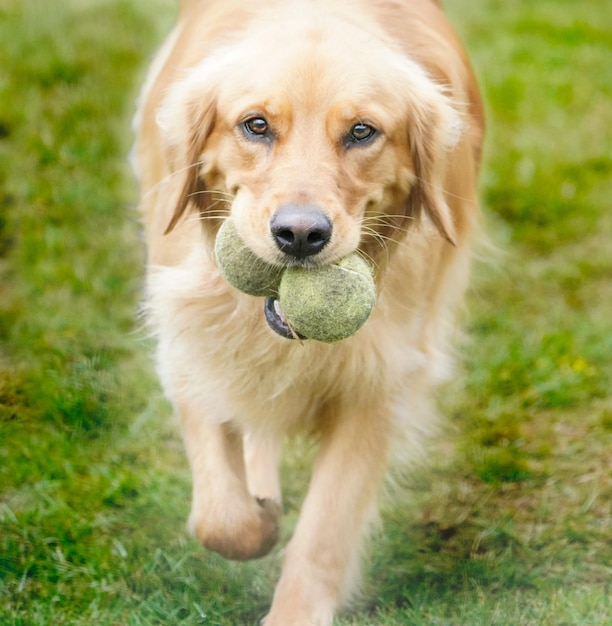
[(217, 202), (208, 216), (198, 219), (378, 237), (369, 259), (211, 192), (166, 179), (442, 189), (383, 239), (374, 222), (383, 219)]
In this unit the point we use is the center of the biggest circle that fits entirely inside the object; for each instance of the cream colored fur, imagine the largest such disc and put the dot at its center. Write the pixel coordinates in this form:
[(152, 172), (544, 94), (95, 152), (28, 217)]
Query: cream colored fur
[(407, 202)]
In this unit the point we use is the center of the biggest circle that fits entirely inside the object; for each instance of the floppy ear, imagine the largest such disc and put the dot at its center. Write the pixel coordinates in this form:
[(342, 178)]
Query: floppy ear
[(192, 188), (186, 120), (434, 132)]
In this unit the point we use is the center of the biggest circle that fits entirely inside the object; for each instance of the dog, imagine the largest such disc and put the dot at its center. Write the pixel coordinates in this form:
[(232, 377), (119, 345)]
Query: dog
[(356, 125)]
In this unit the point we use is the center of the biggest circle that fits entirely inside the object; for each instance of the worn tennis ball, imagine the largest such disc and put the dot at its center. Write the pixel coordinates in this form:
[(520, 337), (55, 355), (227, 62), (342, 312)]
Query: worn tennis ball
[(241, 268), (328, 303)]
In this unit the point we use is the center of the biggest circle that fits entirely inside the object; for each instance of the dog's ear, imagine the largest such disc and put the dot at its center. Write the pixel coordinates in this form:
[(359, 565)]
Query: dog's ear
[(192, 189), (433, 133), (433, 129), (186, 120)]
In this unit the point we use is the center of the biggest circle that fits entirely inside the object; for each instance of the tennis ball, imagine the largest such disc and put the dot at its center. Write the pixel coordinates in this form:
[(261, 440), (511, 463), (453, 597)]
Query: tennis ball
[(240, 267), (328, 303)]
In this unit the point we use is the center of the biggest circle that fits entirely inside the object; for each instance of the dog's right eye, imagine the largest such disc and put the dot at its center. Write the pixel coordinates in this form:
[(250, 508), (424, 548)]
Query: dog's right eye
[(256, 127), (360, 134)]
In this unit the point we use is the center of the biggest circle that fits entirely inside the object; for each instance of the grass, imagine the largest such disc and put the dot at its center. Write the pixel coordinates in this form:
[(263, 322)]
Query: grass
[(511, 523)]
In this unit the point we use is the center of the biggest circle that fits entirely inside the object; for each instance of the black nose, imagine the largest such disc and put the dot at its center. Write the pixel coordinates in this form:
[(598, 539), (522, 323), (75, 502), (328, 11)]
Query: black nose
[(300, 231)]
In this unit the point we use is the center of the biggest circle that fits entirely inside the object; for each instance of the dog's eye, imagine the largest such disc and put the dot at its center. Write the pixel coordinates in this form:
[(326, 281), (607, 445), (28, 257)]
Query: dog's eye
[(360, 134), (257, 126)]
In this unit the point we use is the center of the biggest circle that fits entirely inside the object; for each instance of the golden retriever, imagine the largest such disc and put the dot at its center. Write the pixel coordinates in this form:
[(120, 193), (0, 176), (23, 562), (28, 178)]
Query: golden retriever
[(357, 126)]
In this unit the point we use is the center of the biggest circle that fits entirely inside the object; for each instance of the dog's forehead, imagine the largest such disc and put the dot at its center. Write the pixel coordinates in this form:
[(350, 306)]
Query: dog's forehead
[(311, 67)]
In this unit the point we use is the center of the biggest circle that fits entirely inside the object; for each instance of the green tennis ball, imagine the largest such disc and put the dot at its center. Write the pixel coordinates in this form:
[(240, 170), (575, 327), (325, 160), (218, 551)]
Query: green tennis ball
[(241, 268), (328, 303)]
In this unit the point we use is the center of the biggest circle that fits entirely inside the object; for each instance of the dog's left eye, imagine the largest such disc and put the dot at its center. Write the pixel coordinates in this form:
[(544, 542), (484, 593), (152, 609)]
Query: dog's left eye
[(360, 133), (256, 126)]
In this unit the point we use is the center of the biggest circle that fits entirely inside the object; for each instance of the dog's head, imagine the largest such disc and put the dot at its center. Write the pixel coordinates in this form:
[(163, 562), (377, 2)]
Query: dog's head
[(318, 140)]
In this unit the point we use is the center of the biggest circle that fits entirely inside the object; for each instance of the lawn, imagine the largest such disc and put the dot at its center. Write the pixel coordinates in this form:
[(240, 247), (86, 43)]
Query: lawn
[(510, 522)]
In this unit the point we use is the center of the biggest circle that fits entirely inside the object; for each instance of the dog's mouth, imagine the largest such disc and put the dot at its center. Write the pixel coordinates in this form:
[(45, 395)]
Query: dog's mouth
[(277, 321)]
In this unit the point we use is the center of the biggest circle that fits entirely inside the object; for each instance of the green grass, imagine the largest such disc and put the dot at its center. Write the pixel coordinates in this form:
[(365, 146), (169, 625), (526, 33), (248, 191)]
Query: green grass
[(511, 523)]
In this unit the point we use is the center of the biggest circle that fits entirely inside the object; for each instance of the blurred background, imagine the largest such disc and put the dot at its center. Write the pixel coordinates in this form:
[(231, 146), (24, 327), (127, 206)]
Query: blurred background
[(509, 524)]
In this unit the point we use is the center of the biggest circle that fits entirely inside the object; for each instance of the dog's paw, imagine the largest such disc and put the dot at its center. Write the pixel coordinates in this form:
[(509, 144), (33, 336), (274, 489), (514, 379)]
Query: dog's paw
[(305, 595), (239, 534)]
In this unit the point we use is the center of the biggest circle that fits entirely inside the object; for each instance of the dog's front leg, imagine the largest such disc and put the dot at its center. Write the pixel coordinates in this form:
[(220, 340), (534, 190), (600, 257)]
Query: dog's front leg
[(322, 560), (262, 458), (225, 517)]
